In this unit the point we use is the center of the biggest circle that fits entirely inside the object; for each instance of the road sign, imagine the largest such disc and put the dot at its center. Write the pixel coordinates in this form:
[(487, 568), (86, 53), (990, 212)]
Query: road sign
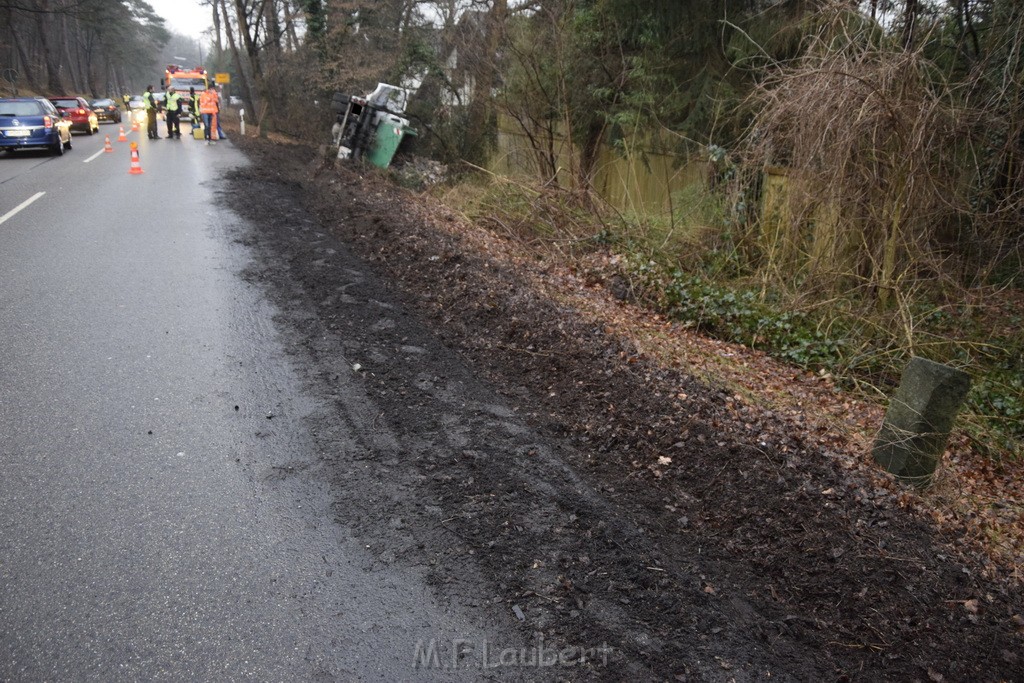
[(223, 79)]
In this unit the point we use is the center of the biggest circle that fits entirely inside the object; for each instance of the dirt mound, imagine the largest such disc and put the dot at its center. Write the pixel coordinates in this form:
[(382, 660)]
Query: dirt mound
[(698, 535)]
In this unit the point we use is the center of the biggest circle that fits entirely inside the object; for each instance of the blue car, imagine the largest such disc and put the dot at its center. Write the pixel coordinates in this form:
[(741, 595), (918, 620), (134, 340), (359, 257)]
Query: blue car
[(28, 122)]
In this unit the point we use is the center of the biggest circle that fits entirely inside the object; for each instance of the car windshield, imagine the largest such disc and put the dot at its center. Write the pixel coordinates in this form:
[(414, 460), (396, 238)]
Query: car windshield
[(21, 109), (66, 104), (183, 84), (103, 103)]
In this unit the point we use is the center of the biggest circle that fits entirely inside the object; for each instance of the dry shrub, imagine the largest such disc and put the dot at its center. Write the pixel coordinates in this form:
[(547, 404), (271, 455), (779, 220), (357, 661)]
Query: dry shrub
[(891, 196), (294, 105), (544, 216), (870, 145)]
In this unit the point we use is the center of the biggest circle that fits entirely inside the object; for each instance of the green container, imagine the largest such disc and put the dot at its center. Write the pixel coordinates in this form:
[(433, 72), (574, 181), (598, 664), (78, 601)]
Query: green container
[(389, 137)]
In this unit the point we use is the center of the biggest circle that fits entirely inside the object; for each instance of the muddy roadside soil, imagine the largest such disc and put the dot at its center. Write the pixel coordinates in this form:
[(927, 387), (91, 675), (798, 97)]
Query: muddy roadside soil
[(535, 463)]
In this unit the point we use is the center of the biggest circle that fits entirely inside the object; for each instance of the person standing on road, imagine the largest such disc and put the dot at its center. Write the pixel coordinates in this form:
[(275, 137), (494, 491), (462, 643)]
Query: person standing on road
[(208, 109), (172, 105), (220, 132), (150, 102), (193, 107), (127, 98)]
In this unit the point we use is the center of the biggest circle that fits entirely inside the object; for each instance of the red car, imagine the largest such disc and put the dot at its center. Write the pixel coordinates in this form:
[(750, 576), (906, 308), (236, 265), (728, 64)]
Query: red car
[(79, 112)]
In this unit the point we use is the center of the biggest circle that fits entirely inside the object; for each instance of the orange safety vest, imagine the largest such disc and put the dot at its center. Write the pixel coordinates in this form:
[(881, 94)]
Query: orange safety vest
[(208, 102)]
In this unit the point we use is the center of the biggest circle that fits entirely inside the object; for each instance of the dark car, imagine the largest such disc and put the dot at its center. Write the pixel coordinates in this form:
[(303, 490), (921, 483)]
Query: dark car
[(27, 122), (106, 110), (78, 110)]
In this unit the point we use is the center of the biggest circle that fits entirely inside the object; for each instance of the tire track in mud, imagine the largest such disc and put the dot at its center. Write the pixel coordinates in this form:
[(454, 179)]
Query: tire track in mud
[(450, 477), (520, 497)]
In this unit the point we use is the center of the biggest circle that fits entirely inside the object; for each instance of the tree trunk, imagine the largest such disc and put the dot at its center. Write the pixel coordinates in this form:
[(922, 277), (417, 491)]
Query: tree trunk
[(247, 89), (273, 27), (486, 75), (292, 39), (910, 12), (72, 70), (90, 70), (109, 83), (28, 72), (217, 44), (53, 80), (251, 50)]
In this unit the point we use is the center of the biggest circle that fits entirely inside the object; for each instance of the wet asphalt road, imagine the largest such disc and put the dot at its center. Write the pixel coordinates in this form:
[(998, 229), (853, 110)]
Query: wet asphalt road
[(145, 400)]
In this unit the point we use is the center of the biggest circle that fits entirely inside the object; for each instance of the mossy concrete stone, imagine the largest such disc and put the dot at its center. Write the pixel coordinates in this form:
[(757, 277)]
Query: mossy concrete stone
[(919, 419)]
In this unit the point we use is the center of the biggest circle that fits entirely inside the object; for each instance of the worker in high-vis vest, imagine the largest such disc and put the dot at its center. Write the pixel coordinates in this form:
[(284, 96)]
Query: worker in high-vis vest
[(208, 109), (193, 106), (193, 111), (172, 105)]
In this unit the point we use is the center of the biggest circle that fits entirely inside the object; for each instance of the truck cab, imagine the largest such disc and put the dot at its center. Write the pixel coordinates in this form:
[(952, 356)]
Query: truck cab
[(371, 127)]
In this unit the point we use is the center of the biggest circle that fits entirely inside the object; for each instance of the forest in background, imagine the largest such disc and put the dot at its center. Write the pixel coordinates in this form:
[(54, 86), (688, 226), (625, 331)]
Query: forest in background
[(861, 199), (93, 48)]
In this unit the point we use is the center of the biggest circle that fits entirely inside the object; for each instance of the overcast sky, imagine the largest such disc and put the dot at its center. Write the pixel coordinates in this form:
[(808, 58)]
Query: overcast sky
[(186, 17)]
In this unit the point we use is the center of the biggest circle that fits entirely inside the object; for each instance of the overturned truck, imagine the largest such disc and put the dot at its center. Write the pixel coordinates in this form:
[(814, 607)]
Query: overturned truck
[(371, 127)]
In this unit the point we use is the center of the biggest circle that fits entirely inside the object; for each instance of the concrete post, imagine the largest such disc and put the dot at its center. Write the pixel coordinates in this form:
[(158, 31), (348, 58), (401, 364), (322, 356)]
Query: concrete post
[(919, 420)]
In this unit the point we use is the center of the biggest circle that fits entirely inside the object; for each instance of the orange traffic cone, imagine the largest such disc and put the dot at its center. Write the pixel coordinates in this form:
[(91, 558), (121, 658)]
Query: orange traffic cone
[(107, 147), (136, 167), (120, 135), (135, 125)]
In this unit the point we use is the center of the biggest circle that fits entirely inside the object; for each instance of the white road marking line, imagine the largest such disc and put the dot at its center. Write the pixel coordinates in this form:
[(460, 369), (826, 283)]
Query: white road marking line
[(19, 207), (85, 161)]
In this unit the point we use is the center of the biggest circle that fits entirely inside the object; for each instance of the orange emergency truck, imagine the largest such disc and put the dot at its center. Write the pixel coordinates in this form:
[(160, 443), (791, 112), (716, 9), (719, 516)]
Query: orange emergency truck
[(181, 79)]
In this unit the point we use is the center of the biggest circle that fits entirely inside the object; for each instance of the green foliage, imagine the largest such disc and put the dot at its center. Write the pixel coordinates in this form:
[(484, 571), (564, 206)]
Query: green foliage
[(739, 315), (853, 348), (999, 397), (316, 19)]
